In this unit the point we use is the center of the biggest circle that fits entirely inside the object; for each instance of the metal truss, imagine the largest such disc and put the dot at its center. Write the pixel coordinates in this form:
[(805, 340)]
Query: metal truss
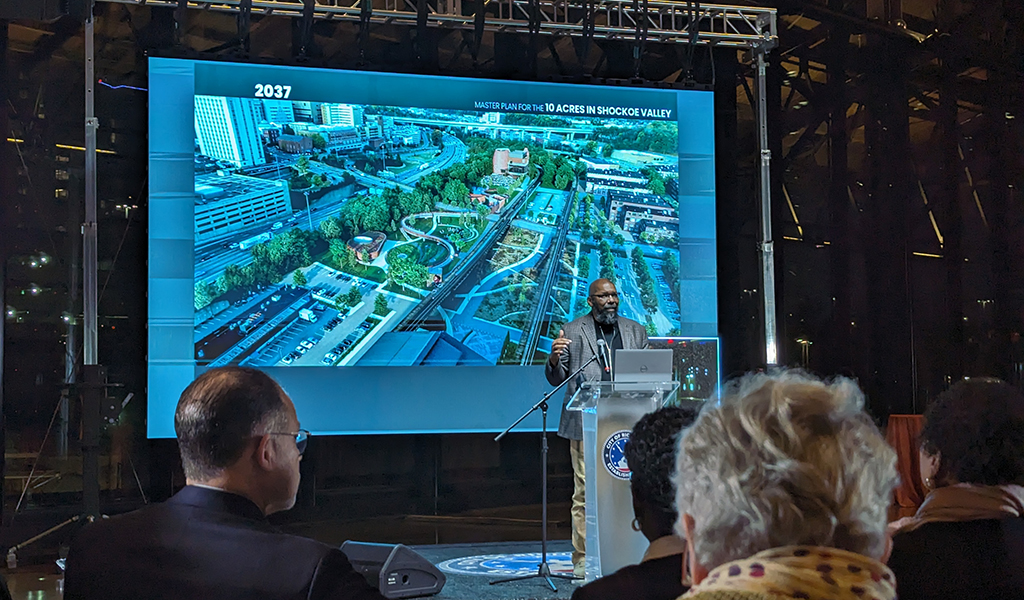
[(665, 21)]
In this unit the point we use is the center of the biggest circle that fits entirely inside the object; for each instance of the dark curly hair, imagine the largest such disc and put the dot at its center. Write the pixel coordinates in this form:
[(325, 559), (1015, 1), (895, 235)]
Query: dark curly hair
[(651, 454), (977, 426)]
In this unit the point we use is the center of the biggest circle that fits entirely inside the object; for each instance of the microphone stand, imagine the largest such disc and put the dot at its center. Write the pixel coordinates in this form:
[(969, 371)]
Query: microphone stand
[(543, 570)]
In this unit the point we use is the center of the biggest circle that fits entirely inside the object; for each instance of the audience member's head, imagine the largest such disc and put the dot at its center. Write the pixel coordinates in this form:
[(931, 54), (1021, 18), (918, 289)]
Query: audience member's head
[(651, 455), (236, 430), (974, 433), (783, 459)]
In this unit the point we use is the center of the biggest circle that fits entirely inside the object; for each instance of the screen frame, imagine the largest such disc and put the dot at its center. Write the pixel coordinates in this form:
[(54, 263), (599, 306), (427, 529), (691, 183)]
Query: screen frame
[(536, 383)]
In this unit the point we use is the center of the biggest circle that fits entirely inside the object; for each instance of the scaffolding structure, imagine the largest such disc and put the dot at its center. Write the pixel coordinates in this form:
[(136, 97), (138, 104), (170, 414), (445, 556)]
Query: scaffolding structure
[(663, 20)]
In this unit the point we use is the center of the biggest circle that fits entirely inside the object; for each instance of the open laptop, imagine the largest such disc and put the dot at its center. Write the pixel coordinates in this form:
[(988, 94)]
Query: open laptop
[(642, 366)]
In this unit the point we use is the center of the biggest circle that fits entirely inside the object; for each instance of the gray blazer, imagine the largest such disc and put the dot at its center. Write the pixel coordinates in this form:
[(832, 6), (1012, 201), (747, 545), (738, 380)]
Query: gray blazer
[(583, 347)]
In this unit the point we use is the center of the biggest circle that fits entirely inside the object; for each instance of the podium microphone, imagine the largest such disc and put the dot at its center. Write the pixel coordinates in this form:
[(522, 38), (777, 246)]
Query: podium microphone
[(602, 351)]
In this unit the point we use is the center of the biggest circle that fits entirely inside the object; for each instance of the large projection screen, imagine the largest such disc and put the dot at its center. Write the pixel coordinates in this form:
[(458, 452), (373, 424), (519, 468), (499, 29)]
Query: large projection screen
[(399, 250)]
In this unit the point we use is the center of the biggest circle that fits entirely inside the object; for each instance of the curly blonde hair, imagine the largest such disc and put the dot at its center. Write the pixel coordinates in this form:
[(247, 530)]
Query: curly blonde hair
[(781, 459)]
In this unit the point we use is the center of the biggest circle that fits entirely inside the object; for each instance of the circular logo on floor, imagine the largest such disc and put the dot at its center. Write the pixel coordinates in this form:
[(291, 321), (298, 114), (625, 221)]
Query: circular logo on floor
[(512, 565), (615, 455)]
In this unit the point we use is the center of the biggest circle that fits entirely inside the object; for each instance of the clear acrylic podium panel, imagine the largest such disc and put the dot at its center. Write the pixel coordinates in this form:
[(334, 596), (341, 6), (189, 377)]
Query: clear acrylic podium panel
[(610, 410)]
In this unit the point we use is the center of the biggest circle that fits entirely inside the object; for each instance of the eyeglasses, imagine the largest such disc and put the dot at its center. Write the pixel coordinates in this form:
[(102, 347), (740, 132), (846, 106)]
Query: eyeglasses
[(301, 438)]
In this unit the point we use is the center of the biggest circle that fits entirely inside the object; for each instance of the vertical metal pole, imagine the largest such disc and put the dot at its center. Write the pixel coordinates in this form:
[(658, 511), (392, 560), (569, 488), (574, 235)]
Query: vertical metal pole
[(95, 376), (767, 246), (309, 214), (89, 259), (62, 425), (544, 482), (71, 340), (5, 242)]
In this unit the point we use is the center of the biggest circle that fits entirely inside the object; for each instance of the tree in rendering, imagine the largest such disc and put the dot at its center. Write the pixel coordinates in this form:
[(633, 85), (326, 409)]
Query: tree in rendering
[(548, 178), (232, 278), (330, 229), (655, 182), (455, 192), (341, 253), (380, 305), (205, 294), (564, 176), (299, 278), (404, 270), (584, 266)]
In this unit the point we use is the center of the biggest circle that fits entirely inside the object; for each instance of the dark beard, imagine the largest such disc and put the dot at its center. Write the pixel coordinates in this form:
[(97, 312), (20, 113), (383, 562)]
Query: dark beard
[(607, 317)]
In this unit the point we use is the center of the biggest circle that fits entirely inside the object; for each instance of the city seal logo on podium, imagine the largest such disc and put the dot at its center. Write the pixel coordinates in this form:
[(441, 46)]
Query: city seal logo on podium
[(615, 455)]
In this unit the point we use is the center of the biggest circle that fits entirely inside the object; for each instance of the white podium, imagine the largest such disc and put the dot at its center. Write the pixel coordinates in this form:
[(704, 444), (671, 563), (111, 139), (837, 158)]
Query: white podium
[(610, 409)]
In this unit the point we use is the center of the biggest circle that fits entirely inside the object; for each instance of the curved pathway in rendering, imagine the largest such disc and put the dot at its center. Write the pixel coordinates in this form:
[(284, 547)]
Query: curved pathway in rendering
[(412, 231)]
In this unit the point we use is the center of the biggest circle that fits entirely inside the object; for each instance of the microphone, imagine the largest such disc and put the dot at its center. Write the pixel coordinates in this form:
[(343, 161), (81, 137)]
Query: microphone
[(602, 351)]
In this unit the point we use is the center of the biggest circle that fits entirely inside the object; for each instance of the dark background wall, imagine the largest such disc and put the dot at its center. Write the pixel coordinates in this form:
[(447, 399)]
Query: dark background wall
[(897, 170)]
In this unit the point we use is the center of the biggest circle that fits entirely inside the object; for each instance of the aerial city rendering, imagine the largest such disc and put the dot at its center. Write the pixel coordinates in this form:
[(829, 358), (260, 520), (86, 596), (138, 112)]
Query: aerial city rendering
[(350, 235)]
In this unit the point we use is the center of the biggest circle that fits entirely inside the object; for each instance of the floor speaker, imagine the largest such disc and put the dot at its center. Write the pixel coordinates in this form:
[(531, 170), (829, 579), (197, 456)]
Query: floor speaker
[(394, 569)]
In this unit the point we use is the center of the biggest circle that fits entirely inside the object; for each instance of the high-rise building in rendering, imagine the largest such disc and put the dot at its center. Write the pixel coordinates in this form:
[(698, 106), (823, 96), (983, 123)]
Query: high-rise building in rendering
[(280, 112), (346, 115), (308, 112), (226, 130)]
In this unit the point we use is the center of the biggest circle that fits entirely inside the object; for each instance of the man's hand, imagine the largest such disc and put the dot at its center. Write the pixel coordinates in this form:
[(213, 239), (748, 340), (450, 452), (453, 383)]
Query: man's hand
[(558, 346)]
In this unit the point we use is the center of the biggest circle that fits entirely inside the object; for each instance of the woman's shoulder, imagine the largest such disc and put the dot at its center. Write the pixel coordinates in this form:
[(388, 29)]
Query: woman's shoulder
[(976, 531), (654, 579)]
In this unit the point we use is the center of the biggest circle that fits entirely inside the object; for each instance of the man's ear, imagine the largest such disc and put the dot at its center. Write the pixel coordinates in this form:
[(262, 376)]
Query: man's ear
[(697, 571), (265, 453)]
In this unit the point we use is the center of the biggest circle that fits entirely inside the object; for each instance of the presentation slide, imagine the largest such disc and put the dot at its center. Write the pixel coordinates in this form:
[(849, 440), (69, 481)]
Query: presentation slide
[(399, 250)]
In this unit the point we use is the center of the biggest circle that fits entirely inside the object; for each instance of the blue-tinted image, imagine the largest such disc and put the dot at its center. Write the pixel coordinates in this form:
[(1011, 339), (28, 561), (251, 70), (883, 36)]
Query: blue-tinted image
[(428, 234), (335, 234)]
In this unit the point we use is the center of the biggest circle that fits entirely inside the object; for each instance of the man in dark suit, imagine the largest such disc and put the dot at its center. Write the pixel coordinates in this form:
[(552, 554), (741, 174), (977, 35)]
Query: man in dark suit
[(577, 343), (240, 446)]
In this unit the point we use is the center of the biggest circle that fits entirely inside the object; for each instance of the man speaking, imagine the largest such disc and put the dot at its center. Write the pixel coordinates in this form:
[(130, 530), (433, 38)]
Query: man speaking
[(600, 332)]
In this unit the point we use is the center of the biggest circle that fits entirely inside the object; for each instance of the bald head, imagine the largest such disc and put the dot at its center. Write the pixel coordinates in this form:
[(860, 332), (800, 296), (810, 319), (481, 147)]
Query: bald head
[(219, 413), (599, 285)]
